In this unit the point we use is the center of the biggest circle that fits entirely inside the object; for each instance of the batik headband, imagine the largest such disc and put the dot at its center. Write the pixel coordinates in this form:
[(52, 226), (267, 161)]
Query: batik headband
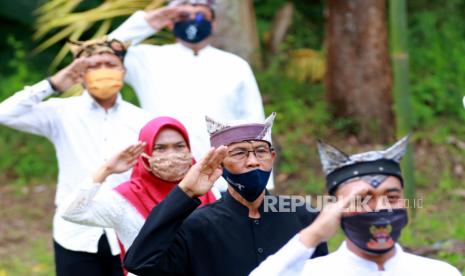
[(98, 46)]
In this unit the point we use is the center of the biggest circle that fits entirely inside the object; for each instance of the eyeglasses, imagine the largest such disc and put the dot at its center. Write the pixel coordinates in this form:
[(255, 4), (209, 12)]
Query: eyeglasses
[(261, 153)]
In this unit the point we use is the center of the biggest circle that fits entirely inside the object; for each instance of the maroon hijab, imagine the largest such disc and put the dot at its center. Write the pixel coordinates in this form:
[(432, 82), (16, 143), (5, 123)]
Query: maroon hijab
[(144, 190)]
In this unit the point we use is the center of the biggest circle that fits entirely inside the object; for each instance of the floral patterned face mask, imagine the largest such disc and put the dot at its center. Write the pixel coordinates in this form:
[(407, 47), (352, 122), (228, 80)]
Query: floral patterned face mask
[(169, 167)]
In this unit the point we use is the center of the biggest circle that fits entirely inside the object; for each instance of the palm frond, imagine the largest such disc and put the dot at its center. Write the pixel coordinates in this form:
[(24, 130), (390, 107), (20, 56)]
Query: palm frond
[(155, 4), (64, 50), (64, 33), (58, 20)]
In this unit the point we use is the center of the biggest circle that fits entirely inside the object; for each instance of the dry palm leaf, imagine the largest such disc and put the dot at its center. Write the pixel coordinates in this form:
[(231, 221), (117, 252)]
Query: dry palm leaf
[(57, 20)]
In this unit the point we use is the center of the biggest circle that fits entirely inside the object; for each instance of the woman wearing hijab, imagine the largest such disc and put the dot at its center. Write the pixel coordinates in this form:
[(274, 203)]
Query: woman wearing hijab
[(160, 160)]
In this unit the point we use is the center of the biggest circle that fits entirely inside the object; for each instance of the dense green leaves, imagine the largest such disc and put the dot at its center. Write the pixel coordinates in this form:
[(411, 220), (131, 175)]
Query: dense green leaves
[(437, 64)]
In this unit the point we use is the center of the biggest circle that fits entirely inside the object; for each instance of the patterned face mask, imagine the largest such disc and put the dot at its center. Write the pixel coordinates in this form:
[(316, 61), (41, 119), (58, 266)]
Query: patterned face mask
[(104, 83), (375, 232), (170, 167), (193, 31)]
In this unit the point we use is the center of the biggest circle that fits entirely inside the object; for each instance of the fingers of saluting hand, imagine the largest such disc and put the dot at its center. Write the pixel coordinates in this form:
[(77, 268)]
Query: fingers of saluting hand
[(137, 149), (343, 204), (170, 12), (133, 162), (218, 156), (208, 156), (77, 69), (133, 151), (80, 65), (216, 174), (213, 160), (357, 191)]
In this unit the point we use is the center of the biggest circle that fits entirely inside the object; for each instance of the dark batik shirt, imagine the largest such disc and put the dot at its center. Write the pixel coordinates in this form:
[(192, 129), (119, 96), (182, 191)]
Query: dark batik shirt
[(218, 239)]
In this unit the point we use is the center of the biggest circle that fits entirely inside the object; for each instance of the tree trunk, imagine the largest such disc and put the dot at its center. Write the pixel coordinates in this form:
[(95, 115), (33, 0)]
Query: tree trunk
[(358, 79), (401, 87), (236, 29), (281, 23)]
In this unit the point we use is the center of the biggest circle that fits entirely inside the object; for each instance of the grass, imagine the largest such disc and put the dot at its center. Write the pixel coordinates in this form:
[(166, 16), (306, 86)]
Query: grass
[(25, 233), (36, 260)]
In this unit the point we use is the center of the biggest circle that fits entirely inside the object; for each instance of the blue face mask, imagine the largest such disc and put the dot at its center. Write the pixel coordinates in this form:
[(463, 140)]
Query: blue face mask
[(193, 31), (250, 184)]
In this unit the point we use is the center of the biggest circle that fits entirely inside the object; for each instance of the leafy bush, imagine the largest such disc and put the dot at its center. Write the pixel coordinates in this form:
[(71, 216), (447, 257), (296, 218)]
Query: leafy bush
[(302, 117), (437, 62), (25, 158)]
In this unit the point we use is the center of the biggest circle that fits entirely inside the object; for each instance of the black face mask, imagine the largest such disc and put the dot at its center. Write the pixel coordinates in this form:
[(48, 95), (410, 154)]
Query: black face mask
[(249, 185), (375, 232), (193, 31)]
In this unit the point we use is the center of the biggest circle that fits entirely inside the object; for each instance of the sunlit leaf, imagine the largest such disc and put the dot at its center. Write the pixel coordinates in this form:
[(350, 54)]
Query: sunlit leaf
[(58, 21)]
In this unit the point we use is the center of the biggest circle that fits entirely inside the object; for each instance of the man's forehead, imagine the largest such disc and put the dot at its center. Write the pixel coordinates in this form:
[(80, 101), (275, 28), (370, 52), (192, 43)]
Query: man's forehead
[(390, 184), (247, 144), (193, 7), (103, 57)]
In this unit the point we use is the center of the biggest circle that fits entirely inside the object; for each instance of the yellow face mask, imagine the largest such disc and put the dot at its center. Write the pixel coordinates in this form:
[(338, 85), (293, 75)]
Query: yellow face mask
[(104, 83)]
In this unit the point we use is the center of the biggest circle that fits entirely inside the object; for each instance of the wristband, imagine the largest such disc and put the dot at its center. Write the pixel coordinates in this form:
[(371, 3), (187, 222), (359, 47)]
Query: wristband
[(52, 85)]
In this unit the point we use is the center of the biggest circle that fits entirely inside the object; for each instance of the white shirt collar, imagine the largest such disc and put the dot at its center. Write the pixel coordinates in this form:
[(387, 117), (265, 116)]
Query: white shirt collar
[(189, 51), (344, 252), (93, 104)]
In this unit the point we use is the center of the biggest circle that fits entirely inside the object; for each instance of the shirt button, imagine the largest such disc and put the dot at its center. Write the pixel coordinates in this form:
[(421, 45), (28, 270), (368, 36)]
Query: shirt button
[(257, 222), (260, 250)]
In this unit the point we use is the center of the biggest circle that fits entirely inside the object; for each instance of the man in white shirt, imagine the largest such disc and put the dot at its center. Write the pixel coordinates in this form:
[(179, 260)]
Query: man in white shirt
[(371, 211), (85, 131), (188, 79)]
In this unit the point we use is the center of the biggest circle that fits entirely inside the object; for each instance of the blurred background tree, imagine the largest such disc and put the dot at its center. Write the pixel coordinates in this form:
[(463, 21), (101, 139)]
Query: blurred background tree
[(358, 80), (237, 30)]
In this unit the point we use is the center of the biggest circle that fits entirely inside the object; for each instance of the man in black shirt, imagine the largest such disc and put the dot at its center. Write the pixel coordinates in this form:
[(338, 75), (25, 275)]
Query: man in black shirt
[(231, 236)]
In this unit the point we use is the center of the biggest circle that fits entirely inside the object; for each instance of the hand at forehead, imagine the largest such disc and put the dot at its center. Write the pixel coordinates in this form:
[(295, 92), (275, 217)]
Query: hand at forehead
[(104, 58), (189, 11), (390, 183), (78, 66)]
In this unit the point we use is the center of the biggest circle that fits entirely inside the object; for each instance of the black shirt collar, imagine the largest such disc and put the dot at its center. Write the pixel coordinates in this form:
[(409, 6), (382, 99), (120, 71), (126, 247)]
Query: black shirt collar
[(237, 207)]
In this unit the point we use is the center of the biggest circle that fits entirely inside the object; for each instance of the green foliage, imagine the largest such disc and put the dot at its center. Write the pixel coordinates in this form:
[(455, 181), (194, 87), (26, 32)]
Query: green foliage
[(302, 116), (306, 30), (437, 62), (25, 158), (437, 223), (20, 73)]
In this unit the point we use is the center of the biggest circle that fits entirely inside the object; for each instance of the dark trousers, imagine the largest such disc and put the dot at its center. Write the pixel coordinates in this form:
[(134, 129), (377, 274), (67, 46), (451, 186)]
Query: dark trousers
[(75, 263)]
